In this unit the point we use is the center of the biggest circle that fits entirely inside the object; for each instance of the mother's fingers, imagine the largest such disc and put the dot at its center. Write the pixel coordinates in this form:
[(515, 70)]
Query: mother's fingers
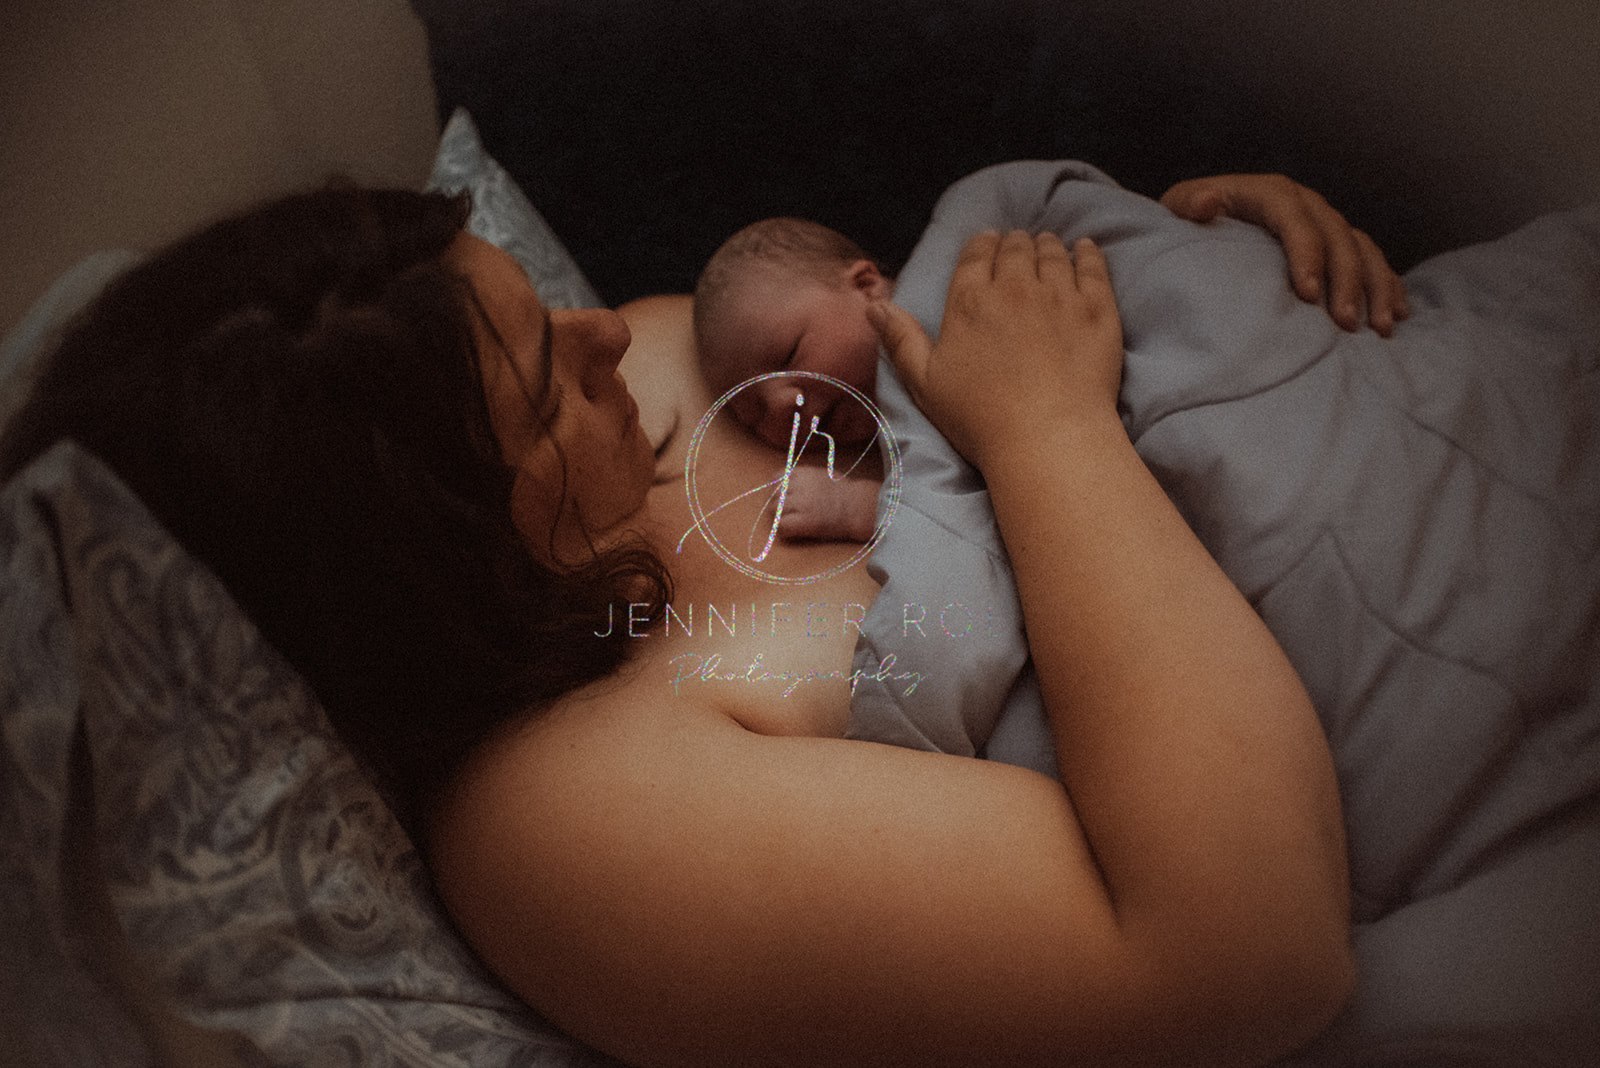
[(1343, 265), (1357, 274), (1025, 257), (1016, 258), (1052, 261), (976, 261), (1093, 275), (1386, 292), (1328, 258), (1316, 240)]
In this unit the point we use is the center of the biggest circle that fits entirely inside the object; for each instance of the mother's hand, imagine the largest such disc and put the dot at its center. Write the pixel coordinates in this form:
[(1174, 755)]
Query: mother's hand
[(1321, 245), (1030, 337)]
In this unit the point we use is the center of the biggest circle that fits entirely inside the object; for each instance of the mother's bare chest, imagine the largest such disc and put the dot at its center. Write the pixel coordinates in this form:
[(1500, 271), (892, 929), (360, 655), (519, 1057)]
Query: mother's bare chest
[(759, 627)]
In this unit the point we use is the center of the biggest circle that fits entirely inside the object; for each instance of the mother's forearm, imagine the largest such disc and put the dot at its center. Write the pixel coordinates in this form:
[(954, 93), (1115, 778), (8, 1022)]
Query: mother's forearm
[(1188, 744)]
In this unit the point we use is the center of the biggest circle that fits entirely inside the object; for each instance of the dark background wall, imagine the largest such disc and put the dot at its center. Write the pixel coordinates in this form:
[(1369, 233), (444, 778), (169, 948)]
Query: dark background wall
[(648, 131)]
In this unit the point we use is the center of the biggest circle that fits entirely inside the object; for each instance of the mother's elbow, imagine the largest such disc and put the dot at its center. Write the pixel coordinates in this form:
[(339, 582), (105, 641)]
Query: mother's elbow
[(1259, 997), (1303, 992), (1328, 982)]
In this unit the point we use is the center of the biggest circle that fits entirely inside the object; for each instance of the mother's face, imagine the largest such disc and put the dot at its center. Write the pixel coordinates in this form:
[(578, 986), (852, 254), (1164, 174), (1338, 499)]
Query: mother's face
[(558, 407)]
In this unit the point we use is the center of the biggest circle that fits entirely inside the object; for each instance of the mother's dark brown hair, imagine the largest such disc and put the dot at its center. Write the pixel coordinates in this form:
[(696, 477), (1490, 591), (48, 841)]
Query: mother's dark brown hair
[(295, 393)]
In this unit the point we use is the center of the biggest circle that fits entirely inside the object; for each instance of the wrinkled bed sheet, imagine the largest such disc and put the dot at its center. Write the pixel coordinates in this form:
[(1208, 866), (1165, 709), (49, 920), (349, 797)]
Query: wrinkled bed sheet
[(1418, 522)]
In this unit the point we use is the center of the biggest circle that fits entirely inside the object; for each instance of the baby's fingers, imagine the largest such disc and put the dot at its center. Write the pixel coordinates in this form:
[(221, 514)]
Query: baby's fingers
[(904, 340)]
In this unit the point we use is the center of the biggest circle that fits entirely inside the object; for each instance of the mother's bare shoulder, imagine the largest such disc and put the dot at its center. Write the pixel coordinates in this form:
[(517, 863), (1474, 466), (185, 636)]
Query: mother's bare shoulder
[(663, 334), (660, 366)]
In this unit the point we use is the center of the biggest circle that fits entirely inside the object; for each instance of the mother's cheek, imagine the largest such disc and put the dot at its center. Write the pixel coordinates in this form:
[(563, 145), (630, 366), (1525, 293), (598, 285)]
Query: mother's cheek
[(533, 507)]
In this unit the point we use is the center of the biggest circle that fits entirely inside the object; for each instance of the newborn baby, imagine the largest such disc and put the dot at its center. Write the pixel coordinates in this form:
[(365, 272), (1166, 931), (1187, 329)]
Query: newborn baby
[(789, 294), (792, 295)]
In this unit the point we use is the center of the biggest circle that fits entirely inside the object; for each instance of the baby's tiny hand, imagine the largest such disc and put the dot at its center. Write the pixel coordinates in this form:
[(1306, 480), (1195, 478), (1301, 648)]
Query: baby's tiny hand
[(819, 508)]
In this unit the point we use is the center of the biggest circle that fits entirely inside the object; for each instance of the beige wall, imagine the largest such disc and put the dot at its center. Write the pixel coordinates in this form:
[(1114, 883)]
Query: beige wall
[(125, 122)]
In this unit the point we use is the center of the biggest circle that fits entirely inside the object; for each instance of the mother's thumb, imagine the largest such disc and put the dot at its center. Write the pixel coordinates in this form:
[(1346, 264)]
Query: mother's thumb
[(903, 338)]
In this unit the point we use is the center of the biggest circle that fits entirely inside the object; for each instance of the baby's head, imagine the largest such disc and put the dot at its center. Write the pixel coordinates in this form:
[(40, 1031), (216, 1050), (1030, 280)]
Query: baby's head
[(789, 295)]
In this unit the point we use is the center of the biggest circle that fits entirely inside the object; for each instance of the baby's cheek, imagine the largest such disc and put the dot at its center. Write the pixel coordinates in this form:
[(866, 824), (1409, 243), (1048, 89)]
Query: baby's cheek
[(750, 414), (775, 429)]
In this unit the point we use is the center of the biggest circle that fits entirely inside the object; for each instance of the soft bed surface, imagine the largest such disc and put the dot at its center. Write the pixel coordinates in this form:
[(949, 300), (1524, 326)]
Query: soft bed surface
[(1417, 520)]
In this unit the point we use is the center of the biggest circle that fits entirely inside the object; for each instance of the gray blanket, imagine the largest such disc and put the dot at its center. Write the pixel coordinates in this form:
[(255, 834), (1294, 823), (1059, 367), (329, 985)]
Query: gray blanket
[(1418, 522)]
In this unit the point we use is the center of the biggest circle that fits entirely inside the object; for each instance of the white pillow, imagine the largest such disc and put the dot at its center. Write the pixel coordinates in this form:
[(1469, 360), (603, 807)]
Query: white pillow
[(503, 216)]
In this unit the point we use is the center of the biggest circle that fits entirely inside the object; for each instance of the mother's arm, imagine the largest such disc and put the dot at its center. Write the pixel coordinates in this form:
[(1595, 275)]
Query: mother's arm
[(679, 891)]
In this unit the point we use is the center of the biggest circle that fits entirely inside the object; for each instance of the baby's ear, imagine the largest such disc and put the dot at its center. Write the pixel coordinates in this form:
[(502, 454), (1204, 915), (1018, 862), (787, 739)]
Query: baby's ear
[(866, 278)]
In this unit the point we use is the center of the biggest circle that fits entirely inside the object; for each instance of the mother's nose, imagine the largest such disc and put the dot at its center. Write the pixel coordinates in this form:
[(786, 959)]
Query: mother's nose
[(600, 334)]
